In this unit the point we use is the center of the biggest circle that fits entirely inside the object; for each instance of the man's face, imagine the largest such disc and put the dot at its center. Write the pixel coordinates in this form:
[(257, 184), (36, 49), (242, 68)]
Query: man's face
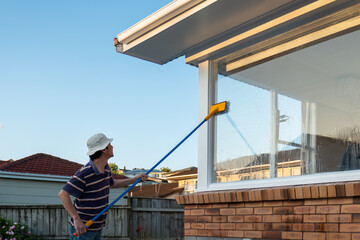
[(109, 150)]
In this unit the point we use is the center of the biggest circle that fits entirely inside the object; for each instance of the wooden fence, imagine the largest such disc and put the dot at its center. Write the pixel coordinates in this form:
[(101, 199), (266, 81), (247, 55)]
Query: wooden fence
[(141, 218)]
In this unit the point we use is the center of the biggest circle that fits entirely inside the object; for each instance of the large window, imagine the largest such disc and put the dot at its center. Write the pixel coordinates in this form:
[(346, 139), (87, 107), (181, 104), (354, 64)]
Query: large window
[(298, 114)]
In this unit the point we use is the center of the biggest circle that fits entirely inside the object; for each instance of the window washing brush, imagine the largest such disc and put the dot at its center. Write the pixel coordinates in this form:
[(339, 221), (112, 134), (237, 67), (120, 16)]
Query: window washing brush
[(216, 109)]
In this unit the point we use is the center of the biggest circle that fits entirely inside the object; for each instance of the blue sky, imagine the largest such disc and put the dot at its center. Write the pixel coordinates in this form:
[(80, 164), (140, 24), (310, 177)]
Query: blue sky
[(62, 81)]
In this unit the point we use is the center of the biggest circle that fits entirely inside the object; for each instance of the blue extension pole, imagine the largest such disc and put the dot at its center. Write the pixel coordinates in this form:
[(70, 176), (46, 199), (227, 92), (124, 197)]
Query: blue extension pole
[(216, 109), (149, 171)]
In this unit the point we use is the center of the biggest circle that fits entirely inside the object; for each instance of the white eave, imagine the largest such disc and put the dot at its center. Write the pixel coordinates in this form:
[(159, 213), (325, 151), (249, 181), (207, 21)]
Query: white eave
[(183, 24), (156, 19), (189, 27), (138, 40)]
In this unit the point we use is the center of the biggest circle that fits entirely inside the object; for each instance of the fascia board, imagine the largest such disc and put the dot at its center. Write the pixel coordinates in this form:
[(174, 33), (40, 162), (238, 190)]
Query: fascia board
[(30, 176), (156, 19), (159, 21)]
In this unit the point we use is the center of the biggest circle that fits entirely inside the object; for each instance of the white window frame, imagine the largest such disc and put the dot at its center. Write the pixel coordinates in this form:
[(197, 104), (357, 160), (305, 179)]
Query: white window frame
[(208, 76), (310, 34)]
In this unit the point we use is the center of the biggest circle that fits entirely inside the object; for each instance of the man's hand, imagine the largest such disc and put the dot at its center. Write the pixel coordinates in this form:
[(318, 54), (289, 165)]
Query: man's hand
[(143, 177), (118, 183), (80, 227)]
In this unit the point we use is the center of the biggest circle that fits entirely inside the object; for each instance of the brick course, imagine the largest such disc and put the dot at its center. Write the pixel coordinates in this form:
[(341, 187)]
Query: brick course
[(308, 212)]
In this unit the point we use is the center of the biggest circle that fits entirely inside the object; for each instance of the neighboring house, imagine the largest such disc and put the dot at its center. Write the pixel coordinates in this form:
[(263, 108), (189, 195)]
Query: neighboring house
[(158, 190), (284, 162), (42, 164), (186, 178), (172, 184), (154, 174), (37, 180)]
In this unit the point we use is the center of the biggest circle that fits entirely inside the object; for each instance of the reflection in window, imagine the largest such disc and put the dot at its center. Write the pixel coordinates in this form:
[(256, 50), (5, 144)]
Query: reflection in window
[(295, 115)]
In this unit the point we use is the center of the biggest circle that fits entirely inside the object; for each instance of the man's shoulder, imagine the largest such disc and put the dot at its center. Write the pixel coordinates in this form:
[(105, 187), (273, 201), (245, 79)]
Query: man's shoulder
[(85, 170)]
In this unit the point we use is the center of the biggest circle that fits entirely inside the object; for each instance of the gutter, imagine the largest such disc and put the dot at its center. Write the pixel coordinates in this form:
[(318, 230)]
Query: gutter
[(157, 18), (36, 177), (157, 22)]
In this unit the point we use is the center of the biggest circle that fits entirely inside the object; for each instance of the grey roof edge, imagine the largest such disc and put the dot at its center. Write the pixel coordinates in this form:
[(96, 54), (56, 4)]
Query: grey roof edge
[(31, 176)]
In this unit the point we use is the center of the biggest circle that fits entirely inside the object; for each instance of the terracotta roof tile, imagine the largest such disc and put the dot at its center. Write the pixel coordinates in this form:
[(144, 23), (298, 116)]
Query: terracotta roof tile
[(41, 163), (2, 162)]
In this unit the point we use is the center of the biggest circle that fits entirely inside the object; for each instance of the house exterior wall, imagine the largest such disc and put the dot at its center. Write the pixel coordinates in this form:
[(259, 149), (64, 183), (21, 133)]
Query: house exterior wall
[(189, 185), (36, 189), (329, 211), (29, 192)]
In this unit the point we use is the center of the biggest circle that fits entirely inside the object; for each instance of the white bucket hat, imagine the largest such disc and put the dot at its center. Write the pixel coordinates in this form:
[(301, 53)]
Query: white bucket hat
[(97, 142)]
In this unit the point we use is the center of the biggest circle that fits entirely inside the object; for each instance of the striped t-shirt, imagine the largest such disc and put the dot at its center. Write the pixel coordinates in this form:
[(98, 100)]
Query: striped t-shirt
[(91, 191)]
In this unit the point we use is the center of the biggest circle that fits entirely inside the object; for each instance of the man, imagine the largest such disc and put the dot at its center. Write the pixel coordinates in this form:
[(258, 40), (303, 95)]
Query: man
[(90, 187)]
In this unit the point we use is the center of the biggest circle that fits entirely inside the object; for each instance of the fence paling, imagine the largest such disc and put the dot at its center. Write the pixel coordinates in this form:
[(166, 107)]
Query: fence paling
[(147, 215)]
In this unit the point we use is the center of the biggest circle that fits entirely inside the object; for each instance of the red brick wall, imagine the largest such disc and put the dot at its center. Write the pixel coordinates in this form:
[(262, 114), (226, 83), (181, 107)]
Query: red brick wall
[(306, 212)]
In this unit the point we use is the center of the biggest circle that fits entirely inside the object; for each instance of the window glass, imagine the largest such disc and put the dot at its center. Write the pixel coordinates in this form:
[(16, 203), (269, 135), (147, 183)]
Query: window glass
[(294, 115), (289, 140), (243, 133)]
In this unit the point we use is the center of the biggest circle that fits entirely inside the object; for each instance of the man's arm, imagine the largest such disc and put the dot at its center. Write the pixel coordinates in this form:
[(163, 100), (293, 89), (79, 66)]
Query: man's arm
[(118, 183), (66, 201)]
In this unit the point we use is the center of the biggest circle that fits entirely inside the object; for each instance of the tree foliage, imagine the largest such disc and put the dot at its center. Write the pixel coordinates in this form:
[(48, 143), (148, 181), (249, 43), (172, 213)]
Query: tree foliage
[(114, 168), (165, 169)]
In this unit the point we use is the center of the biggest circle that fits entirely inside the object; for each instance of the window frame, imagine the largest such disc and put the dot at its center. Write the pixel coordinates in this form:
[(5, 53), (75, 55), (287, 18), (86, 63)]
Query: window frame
[(206, 147), (208, 77)]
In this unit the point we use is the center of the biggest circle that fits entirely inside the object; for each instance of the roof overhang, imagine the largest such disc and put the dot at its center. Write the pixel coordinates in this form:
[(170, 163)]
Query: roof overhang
[(183, 25), (200, 29)]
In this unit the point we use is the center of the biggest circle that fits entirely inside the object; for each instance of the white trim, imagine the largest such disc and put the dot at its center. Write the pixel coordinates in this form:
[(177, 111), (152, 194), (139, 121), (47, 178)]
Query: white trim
[(30, 176), (310, 137), (152, 20), (274, 132), (162, 19), (207, 96), (318, 178)]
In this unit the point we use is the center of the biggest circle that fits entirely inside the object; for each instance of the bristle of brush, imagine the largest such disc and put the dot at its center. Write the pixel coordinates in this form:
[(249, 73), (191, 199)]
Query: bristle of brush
[(227, 108)]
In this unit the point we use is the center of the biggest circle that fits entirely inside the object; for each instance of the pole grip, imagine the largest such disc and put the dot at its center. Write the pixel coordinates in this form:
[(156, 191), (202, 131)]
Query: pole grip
[(88, 224)]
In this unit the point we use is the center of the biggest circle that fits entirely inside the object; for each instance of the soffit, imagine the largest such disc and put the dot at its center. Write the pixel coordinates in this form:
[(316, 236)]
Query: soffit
[(188, 28)]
